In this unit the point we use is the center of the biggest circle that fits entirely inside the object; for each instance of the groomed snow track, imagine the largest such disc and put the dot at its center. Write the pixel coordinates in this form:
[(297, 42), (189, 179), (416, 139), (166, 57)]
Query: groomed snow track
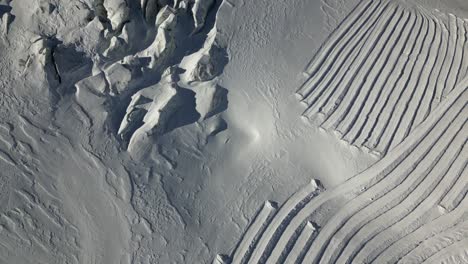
[(410, 207), (391, 78), (383, 70)]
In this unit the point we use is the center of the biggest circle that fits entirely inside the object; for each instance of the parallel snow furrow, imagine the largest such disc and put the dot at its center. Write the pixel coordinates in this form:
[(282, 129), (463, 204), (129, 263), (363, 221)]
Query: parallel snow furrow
[(458, 192), (302, 244), (457, 58), (375, 121), (360, 72), (464, 65), (418, 189), (392, 91), (377, 235), (419, 139), (437, 242), (247, 243), (455, 251), (331, 121), (353, 52), (349, 118), (395, 174), (390, 115), (418, 92), (336, 89), (425, 107), (385, 74), (282, 218), (416, 175), (342, 34), (350, 49), (360, 130), (415, 235), (448, 62), (380, 198)]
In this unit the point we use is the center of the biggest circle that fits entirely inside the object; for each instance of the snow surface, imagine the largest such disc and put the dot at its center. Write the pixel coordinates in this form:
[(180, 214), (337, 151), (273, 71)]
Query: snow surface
[(233, 131)]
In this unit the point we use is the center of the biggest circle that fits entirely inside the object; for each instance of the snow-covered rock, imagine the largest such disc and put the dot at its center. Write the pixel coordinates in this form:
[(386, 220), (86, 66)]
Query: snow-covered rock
[(163, 43), (5, 22), (210, 99), (116, 47), (200, 10), (148, 112), (96, 84), (119, 77), (163, 16), (118, 12), (210, 60)]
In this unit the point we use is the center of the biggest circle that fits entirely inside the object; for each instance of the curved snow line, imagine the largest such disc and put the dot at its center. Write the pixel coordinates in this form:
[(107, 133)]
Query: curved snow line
[(377, 172), (280, 219), (454, 69), (354, 72), (463, 69), (354, 48), (386, 66), (417, 93), (438, 222), (388, 193), (370, 93), (247, 243), (342, 33), (374, 236), (355, 32), (455, 196), (429, 79), (440, 83), (379, 139), (348, 92), (303, 242), (436, 243), (455, 251), (420, 147), (366, 87)]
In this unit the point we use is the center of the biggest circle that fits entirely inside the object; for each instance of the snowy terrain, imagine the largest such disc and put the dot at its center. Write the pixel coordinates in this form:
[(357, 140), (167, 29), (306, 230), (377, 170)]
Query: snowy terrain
[(233, 131)]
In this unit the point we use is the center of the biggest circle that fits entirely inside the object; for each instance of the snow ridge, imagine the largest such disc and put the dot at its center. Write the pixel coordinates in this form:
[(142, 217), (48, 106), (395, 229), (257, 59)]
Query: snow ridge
[(383, 70), (395, 211)]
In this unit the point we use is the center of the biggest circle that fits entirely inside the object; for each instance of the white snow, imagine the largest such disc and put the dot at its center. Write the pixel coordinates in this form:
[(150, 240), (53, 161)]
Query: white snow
[(232, 131)]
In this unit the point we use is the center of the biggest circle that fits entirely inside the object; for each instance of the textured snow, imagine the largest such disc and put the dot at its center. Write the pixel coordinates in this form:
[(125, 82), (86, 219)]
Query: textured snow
[(233, 131)]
